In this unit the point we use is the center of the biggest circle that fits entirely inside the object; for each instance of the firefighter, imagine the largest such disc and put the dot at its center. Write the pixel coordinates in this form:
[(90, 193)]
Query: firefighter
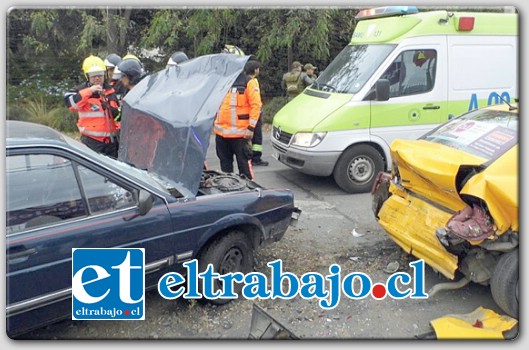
[(131, 67), (134, 57), (237, 118), (132, 72), (96, 103), (111, 62)]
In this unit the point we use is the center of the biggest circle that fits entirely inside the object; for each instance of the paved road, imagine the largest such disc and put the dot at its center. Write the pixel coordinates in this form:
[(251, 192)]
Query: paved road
[(323, 236), (326, 227)]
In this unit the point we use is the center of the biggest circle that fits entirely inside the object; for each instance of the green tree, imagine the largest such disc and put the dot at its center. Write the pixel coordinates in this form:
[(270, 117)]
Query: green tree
[(209, 28), (117, 22), (293, 30), (46, 46)]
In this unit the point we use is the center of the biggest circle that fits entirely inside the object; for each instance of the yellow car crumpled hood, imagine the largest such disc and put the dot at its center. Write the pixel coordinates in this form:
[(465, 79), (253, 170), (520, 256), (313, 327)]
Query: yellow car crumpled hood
[(429, 169), (498, 187), (479, 324)]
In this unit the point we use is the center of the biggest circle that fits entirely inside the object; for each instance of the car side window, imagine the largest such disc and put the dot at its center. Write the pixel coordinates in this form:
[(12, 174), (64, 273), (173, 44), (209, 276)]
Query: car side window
[(102, 194), (41, 190), (412, 72)]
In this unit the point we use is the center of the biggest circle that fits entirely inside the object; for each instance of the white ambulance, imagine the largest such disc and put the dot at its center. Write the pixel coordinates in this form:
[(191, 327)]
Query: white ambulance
[(403, 73)]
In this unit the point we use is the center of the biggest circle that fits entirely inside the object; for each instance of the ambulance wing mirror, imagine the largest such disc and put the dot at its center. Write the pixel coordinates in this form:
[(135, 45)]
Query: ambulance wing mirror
[(382, 90)]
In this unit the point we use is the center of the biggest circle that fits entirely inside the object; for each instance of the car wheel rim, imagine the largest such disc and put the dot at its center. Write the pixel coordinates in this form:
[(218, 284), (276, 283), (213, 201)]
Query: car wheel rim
[(360, 170), (232, 262)]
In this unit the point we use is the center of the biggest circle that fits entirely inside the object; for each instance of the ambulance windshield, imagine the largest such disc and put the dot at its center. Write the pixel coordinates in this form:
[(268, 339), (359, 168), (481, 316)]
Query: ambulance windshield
[(352, 68)]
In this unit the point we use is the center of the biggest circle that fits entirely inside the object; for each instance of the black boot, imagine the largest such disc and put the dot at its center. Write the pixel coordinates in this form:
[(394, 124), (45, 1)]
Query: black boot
[(259, 162)]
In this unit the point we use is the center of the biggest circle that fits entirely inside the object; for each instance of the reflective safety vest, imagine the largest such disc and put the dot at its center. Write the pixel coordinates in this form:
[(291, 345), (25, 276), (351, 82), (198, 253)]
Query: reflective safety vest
[(240, 109), (94, 121)]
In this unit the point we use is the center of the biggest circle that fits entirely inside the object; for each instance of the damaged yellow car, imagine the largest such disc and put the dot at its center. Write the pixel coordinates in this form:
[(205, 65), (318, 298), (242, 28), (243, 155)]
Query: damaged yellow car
[(452, 200)]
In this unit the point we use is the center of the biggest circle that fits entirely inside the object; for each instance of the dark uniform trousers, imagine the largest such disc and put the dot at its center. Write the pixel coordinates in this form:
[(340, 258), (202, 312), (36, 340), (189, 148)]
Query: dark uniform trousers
[(257, 140), (240, 148), (109, 149)]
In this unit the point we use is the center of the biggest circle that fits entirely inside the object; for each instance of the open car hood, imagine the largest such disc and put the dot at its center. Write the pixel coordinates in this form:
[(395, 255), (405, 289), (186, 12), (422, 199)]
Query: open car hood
[(167, 118)]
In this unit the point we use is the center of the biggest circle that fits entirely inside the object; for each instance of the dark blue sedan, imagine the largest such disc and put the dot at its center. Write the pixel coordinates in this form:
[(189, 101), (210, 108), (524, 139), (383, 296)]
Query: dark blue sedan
[(61, 195)]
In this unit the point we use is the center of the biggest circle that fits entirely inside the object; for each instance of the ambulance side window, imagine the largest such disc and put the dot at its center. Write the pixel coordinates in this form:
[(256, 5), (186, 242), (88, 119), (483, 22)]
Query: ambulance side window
[(395, 74), (412, 72)]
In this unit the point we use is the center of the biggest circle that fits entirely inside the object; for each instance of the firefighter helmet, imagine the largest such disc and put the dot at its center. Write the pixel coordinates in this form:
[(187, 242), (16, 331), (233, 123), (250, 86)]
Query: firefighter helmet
[(177, 58), (112, 60), (129, 55), (132, 69), (93, 65), (116, 74), (232, 49)]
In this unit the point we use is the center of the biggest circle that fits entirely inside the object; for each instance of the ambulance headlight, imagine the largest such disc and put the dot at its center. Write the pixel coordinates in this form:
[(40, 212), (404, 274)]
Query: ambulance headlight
[(308, 139)]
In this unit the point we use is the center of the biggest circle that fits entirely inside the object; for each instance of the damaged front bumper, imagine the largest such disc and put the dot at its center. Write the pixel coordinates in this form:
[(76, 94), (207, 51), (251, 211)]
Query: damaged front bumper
[(411, 222)]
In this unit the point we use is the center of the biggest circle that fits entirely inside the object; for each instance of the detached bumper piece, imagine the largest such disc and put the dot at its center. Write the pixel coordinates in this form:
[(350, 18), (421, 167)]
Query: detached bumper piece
[(479, 324), (295, 217), (265, 326)]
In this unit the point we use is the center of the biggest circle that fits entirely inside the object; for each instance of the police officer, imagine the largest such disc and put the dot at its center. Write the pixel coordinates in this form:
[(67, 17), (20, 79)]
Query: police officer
[(309, 69), (295, 81), (96, 103)]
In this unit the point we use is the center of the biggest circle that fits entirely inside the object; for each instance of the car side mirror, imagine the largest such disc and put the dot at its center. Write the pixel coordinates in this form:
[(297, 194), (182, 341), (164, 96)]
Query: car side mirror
[(382, 89), (145, 202)]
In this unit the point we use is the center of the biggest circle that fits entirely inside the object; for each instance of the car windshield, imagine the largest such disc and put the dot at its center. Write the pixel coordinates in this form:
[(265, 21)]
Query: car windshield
[(351, 69), (128, 169), (485, 133)]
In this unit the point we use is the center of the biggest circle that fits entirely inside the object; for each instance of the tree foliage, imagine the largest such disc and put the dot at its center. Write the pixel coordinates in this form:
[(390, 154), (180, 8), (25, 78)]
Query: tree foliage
[(50, 44), (46, 46)]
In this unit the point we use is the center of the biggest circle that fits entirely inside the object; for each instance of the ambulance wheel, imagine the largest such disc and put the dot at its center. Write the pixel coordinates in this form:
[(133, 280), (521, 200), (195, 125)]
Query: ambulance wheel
[(357, 168), (504, 283), (232, 252)]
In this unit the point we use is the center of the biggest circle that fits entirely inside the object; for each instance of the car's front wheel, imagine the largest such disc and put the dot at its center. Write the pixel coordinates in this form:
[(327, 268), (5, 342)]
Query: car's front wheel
[(232, 252), (504, 283)]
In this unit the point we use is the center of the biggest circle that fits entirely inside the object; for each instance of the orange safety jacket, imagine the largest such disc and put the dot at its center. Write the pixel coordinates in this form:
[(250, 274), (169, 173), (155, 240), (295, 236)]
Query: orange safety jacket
[(239, 111), (96, 113)]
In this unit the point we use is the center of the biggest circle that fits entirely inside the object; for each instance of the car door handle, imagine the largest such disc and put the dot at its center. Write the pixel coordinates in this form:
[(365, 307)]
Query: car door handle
[(15, 253), (431, 107)]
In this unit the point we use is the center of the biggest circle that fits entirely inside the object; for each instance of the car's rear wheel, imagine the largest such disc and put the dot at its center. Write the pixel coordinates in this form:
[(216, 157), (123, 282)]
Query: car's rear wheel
[(504, 283), (357, 168), (232, 252)]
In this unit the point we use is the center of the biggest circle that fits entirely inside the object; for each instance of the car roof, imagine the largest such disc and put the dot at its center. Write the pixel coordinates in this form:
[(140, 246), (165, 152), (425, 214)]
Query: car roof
[(24, 133)]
